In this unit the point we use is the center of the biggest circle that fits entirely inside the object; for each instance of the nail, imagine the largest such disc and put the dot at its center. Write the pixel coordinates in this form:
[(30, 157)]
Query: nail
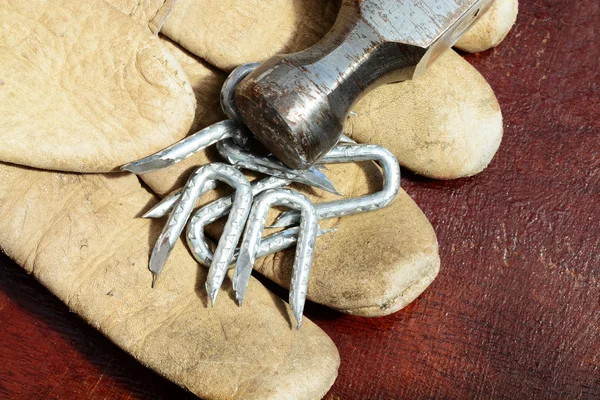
[(370, 202), (268, 166), (228, 90), (183, 209), (304, 248), (185, 147)]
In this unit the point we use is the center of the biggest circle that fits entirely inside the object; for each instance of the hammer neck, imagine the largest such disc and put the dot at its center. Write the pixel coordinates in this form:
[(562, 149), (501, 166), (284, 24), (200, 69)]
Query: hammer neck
[(351, 60)]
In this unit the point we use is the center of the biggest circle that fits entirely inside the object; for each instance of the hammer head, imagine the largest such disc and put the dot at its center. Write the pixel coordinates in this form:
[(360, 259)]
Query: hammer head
[(296, 104)]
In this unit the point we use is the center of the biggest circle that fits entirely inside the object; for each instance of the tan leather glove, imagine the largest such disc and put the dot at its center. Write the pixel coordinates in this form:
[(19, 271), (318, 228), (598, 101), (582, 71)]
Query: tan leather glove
[(79, 235), (88, 88)]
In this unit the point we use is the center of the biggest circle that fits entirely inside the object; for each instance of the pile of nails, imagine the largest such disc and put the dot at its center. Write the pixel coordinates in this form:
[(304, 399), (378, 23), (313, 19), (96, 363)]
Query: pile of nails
[(249, 204)]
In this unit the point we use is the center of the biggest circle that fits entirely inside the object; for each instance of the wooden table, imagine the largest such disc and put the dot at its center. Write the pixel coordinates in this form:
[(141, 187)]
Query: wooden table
[(515, 310)]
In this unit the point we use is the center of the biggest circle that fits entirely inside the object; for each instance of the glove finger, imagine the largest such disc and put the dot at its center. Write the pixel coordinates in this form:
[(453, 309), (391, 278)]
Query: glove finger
[(78, 235), (82, 96), (445, 124), (228, 33), (492, 27), (206, 82)]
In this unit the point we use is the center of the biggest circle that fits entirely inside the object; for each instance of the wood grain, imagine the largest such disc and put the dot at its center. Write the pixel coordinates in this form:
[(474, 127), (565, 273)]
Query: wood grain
[(515, 311)]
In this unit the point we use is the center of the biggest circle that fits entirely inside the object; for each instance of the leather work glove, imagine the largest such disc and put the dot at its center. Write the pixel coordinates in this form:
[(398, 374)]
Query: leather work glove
[(78, 233), (86, 86)]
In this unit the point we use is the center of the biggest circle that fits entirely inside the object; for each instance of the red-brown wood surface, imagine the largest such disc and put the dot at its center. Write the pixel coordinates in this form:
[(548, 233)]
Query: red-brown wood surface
[(515, 310)]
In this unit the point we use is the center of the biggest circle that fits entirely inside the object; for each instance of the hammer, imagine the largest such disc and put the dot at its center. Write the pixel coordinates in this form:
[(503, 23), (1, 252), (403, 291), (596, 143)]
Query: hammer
[(296, 104)]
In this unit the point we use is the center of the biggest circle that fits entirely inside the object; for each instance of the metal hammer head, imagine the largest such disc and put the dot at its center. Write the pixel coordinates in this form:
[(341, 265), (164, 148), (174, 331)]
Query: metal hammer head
[(296, 104)]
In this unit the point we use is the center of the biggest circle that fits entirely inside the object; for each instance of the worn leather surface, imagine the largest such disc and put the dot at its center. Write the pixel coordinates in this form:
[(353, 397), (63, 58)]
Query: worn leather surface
[(85, 88), (514, 312), (374, 264), (492, 28), (141, 11), (227, 33), (79, 236), (206, 81), (446, 124)]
